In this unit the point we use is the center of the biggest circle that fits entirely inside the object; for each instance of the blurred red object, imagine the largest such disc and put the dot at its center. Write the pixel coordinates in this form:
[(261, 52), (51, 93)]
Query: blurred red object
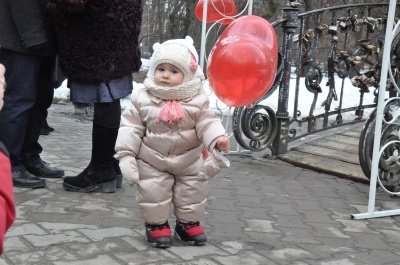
[(257, 27), (243, 62), (216, 10), (7, 208), (240, 70)]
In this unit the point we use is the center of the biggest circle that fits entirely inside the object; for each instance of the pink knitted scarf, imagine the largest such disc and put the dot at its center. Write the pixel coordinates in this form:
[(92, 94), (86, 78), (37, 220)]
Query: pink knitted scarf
[(172, 112)]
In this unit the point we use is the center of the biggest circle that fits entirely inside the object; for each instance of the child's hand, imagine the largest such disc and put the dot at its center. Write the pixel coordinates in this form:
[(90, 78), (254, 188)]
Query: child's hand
[(223, 144), (129, 169)]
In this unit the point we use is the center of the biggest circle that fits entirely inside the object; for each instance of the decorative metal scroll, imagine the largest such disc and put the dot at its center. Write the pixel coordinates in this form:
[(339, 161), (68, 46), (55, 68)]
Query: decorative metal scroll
[(385, 165), (388, 168), (258, 127)]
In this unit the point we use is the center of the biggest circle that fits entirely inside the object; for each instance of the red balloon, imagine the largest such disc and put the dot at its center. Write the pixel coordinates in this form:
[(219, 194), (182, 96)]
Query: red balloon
[(225, 7), (256, 27), (240, 69)]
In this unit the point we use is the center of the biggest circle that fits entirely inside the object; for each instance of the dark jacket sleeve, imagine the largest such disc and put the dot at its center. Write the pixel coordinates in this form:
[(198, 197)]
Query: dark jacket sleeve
[(33, 31)]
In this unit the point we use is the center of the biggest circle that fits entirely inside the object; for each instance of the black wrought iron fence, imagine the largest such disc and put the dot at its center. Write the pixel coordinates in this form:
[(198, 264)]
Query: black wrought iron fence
[(342, 43)]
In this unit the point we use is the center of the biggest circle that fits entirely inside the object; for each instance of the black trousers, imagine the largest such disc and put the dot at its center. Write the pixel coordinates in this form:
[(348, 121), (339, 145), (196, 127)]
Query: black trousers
[(28, 95)]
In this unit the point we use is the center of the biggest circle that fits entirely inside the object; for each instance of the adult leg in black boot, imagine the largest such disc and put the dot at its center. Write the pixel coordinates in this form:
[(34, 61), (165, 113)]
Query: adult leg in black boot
[(100, 175)]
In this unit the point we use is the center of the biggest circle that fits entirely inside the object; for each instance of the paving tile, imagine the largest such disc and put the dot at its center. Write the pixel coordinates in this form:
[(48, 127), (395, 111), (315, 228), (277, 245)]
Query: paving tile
[(259, 211)]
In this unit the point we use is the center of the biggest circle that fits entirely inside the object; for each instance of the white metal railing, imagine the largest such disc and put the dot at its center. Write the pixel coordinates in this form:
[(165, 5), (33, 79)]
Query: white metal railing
[(377, 151), (225, 115)]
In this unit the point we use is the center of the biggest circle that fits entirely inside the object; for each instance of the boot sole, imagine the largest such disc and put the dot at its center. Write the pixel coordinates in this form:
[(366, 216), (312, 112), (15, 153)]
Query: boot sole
[(166, 243), (106, 187), (190, 242), (158, 245), (29, 186)]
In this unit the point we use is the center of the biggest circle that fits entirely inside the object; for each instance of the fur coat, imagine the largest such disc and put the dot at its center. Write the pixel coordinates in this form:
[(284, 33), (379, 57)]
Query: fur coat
[(97, 39)]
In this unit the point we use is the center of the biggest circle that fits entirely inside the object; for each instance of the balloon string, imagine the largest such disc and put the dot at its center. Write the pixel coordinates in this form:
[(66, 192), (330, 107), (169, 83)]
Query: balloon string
[(227, 122)]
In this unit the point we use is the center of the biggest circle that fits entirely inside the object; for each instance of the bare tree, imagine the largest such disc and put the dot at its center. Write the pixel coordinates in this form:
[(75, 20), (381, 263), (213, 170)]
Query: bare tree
[(166, 19)]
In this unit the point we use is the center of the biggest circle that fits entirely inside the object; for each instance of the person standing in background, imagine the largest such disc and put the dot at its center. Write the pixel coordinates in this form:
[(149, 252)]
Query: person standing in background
[(28, 54), (7, 208), (98, 52)]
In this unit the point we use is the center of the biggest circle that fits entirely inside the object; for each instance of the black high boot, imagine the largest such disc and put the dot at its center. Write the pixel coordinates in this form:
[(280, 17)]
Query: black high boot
[(100, 175)]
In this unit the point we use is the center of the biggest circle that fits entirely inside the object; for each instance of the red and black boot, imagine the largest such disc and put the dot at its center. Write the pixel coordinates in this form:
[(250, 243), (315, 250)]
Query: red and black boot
[(159, 236), (192, 233)]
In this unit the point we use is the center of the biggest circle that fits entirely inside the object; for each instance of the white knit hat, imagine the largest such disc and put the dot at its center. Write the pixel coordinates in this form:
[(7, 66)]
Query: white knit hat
[(180, 53)]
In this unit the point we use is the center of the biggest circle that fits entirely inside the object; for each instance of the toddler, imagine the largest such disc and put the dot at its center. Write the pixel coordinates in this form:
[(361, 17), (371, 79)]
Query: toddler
[(160, 145)]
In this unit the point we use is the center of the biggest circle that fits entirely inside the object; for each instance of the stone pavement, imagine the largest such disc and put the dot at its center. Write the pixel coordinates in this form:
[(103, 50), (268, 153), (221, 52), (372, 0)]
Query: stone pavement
[(259, 212)]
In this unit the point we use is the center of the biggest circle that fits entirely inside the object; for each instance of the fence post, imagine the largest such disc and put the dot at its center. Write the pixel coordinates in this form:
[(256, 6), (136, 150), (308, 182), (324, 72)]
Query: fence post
[(290, 14)]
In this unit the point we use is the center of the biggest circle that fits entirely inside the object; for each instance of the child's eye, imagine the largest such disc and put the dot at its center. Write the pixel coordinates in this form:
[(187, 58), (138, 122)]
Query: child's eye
[(174, 71), (161, 69)]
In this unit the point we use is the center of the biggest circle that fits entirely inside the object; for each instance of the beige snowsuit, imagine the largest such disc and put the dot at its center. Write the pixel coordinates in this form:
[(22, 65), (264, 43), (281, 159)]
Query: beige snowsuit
[(165, 160)]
